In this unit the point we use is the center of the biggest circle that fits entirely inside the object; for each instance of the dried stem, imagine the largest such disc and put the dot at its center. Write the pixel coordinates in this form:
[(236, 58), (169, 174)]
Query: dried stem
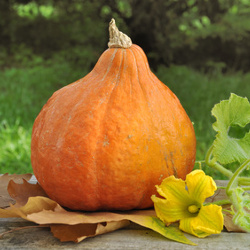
[(117, 39)]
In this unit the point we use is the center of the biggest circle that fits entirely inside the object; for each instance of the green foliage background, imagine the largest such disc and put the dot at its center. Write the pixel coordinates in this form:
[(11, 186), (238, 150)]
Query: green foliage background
[(199, 48)]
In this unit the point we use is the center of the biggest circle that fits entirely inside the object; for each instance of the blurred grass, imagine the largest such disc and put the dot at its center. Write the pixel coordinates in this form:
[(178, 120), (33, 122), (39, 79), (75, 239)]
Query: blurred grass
[(24, 92)]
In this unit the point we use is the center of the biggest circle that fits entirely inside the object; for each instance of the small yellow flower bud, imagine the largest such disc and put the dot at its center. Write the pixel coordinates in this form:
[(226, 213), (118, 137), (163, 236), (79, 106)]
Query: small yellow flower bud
[(193, 209)]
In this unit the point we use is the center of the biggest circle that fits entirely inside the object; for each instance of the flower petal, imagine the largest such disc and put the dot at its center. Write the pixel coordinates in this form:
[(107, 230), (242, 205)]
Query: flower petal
[(174, 190), (200, 186), (169, 212), (209, 221)]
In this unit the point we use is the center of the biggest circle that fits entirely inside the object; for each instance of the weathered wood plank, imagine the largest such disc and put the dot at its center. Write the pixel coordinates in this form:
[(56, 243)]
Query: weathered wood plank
[(132, 237)]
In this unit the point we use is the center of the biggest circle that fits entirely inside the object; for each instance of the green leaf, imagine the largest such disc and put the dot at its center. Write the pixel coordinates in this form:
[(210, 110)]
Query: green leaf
[(171, 232), (241, 203), (229, 113), (240, 199)]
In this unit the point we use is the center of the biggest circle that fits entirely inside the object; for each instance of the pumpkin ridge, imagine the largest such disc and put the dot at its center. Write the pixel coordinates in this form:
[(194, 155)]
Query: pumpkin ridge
[(110, 64), (95, 182), (151, 75), (130, 84), (156, 84), (123, 51), (138, 78), (148, 183), (147, 103), (140, 51), (97, 186), (102, 130)]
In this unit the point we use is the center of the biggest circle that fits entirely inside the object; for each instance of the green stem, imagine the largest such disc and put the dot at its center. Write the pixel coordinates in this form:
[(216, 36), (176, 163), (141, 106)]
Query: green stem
[(245, 181), (228, 211), (233, 182), (203, 161), (200, 163), (220, 202), (223, 170), (211, 162), (209, 155)]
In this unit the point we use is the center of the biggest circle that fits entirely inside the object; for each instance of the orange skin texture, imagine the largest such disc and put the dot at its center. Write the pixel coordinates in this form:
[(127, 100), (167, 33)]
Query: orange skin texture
[(105, 141)]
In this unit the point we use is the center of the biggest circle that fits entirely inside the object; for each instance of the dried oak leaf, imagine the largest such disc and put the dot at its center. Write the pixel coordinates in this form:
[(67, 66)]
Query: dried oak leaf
[(22, 192), (77, 226), (33, 205), (5, 198), (80, 232)]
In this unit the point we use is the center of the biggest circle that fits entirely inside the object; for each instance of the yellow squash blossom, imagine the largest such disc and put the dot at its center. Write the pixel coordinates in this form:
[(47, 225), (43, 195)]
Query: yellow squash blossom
[(184, 202)]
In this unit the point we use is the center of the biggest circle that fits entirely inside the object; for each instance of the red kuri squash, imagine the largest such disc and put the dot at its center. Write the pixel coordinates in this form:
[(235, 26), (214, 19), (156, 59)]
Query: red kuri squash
[(105, 141)]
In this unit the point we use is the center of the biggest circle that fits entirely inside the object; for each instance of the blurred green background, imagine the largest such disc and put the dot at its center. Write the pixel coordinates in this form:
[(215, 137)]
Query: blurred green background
[(199, 48)]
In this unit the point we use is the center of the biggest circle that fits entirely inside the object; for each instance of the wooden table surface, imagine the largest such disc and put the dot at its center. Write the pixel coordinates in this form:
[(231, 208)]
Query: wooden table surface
[(131, 237)]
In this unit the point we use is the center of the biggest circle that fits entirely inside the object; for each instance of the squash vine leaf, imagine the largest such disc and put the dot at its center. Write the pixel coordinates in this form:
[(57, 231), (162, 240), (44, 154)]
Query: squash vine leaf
[(225, 149), (229, 113)]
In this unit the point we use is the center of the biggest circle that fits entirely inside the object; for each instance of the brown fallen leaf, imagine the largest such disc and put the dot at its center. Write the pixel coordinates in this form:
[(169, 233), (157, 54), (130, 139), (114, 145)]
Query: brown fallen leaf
[(80, 232), (5, 198), (77, 226), (22, 192), (34, 205), (59, 215)]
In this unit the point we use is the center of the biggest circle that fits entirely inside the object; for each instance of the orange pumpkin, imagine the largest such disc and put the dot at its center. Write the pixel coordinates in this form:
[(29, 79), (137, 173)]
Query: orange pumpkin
[(105, 141)]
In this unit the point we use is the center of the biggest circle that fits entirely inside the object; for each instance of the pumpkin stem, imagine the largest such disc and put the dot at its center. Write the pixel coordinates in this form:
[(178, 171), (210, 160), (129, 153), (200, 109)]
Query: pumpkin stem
[(117, 39)]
